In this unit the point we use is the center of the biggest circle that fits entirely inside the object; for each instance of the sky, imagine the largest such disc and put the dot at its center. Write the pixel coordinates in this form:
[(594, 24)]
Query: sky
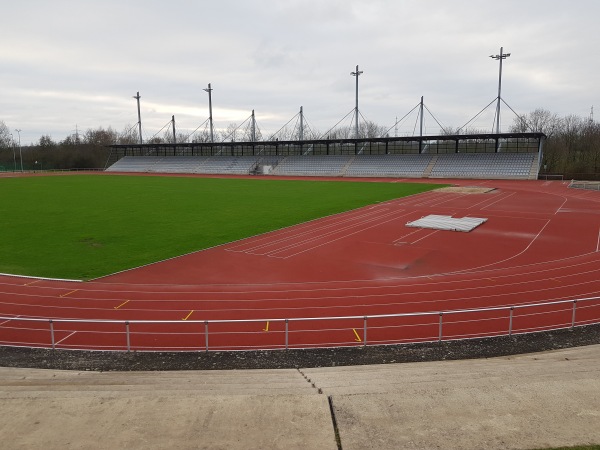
[(70, 65)]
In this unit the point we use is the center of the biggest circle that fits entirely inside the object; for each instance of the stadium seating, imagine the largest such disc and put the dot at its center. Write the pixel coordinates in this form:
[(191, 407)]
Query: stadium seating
[(178, 164), (483, 165), (321, 165), (425, 165), (388, 166), (134, 164), (233, 165)]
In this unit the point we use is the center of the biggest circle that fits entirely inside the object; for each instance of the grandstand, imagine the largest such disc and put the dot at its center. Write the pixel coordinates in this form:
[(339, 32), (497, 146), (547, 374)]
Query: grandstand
[(489, 156)]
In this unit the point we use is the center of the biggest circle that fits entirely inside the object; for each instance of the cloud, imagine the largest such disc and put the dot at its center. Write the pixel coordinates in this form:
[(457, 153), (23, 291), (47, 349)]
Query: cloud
[(68, 63)]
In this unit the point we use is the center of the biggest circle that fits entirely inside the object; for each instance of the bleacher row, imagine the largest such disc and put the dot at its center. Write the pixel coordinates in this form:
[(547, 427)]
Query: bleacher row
[(446, 165)]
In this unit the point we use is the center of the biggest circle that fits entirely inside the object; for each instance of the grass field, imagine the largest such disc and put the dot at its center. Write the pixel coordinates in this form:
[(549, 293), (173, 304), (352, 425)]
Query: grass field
[(87, 226)]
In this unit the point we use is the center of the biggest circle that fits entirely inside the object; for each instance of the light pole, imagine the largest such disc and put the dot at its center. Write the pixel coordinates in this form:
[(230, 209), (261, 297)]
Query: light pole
[(499, 57), (356, 74), (20, 152), (14, 144), (210, 119), (137, 97)]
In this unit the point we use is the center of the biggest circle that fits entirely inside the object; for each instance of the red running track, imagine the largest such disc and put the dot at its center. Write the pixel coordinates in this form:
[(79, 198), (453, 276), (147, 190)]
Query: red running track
[(540, 244)]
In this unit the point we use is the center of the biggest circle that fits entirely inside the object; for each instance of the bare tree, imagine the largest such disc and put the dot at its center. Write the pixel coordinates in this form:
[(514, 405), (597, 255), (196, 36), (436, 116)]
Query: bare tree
[(369, 129), (538, 121), (5, 136), (100, 137), (129, 135), (180, 137), (201, 136), (46, 142), (230, 133)]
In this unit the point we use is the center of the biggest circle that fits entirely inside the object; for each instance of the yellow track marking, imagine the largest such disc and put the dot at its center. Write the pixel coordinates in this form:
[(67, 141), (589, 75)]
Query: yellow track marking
[(358, 339), (267, 328), (32, 282), (122, 304), (68, 293), (188, 316)]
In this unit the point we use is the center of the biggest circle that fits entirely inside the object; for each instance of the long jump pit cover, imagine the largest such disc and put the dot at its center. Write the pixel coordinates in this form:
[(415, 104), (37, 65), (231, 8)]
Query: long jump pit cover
[(449, 223)]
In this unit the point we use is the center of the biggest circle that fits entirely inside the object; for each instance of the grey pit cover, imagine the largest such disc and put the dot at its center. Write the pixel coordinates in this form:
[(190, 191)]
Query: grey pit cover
[(447, 223)]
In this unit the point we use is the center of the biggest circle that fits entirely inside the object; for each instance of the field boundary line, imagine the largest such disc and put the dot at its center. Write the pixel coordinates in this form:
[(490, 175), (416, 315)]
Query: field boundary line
[(33, 277)]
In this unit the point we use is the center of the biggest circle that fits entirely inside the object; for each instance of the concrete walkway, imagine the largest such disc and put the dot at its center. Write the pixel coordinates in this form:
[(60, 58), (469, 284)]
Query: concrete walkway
[(520, 402)]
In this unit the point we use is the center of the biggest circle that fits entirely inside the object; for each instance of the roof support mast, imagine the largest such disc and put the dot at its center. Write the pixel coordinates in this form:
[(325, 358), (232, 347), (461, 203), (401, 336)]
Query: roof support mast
[(210, 116), (421, 125), (174, 135), (499, 57), (356, 74), (137, 97), (301, 130), (421, 117)]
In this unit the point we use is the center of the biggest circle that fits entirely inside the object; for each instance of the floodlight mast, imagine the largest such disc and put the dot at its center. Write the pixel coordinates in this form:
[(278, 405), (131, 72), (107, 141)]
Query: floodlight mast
[(499, 57), (301, 128), (13, 144), (356, 74), (210, 116), (174, 134), (137, 97), (20, 151)]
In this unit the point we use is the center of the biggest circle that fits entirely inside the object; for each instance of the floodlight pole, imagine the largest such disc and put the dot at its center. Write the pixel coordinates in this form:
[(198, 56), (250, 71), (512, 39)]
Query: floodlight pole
[(174, 135), (137, 97), (356, 74), (253, 128), (499, 57), (20, 151), (13, 145), (301, 130), (210, 116), (421, 125), (421, 118)]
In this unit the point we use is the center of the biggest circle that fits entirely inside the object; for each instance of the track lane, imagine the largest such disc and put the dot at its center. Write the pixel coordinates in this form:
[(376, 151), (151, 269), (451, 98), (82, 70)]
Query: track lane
[(541, 244)]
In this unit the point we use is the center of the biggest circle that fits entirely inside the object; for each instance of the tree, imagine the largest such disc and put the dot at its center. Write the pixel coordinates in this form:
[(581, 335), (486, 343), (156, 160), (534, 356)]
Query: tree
[(230, 133), (201, 136), (538, 121), (46, 142), (5, 136), (368, 129), (180, 137), (100, 137), (129, 135)]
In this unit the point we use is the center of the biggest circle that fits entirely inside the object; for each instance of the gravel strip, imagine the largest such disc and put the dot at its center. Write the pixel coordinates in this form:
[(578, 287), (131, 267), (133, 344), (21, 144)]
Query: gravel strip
[(282, 359)]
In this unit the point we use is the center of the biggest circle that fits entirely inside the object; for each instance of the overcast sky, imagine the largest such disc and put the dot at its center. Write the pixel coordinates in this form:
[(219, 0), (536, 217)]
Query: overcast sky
[(70, 64)]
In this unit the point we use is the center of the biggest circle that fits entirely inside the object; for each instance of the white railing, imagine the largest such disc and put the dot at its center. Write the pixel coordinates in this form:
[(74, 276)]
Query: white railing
[(309, 332), (587, 185)]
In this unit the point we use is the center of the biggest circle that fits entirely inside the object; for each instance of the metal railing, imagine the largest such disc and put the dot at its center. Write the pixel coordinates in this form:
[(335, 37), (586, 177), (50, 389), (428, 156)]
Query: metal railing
[(237, 334), (586, 185)]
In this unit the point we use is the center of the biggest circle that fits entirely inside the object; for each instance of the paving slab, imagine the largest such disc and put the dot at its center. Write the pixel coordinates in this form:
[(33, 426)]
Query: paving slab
[(50, 409), (109, 421), (542, 400)]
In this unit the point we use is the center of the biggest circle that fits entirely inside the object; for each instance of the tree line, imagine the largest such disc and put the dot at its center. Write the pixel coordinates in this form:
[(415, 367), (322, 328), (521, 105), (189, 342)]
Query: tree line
[(572, 147)]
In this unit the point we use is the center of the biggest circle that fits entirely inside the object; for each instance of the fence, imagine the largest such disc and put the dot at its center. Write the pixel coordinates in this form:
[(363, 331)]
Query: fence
[(292, 333), (587, 185)]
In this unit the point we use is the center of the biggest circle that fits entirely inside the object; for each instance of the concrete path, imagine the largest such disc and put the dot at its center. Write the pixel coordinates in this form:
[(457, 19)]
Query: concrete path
[(520, 402)]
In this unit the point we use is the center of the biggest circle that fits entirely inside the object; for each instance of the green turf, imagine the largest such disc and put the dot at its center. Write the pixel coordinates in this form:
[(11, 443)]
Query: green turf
[(86, 226)]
